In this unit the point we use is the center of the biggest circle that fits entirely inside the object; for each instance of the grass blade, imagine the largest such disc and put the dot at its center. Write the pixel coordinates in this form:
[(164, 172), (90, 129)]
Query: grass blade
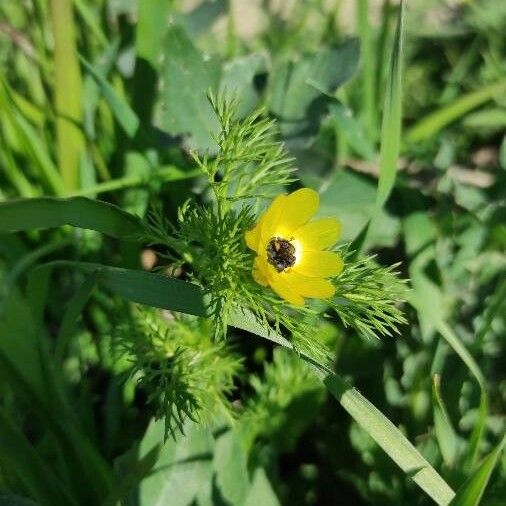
[(85, 464), (18, 456), (90, 20), (364, 29), (143, 287), (437, 120), (479, 427), (67, 93), (445, 433), (470, 493), (421, 304), (32, 146), (122, 111), (71, 315), (47, 212), (392, 115)]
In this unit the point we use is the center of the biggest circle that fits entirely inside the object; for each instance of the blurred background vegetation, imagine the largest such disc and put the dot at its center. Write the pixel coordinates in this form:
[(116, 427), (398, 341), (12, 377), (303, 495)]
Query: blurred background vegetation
[(106, 99)]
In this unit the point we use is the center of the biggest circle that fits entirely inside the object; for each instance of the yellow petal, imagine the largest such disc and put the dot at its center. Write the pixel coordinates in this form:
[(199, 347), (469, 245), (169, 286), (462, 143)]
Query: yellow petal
[(252, 237), (317, 288), (318, 234), (260, 273), (288, 213), (271, 218), (283, 289), (319, 264), (298, 208)]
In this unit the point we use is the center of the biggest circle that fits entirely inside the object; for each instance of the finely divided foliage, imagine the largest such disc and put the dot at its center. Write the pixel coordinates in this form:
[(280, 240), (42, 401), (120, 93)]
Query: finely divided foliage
[(183, 373), (209, 242)]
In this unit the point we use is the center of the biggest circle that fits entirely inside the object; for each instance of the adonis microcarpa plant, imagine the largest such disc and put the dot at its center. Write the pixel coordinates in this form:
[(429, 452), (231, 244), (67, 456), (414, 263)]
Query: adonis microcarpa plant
[(211, 243)]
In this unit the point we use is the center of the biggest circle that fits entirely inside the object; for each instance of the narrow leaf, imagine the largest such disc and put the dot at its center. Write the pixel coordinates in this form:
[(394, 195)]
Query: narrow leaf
[(392, 115), (122, 111), (72, 313), (47, 212), (19, 457), (143, 287), (67, 93), (431, 124), (445, 433), (479, 427), (470, 493)]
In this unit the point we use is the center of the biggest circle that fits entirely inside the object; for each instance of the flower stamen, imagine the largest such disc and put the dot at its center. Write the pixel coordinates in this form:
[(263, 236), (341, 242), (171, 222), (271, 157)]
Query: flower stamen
[(281, 253)]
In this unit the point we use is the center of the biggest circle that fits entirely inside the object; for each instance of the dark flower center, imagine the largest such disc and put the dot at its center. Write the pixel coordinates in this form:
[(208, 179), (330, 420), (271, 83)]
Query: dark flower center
[(280, 253)]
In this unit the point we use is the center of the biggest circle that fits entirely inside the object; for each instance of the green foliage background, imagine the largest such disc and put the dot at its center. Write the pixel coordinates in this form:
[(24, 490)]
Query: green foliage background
[(107, 99)]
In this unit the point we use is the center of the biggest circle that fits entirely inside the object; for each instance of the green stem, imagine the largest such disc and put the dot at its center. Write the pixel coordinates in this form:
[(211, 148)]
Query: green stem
[(164, 175), (67, 93)]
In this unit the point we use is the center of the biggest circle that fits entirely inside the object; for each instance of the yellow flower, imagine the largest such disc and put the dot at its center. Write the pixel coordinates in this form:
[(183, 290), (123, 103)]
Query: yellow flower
[(291, 256)]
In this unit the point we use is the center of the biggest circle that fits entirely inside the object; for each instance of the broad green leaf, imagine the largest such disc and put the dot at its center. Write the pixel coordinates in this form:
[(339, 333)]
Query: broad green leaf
[(295, 87), (471, 492), (230, 465), (349, 127), (445, 433), (130, 470), (122, 111), (237, 80), (260, 492), (19, 457), (47, 212), (153, 290), (151, 28), (186, 77), (350, 198), (184, 466), (200, 20), (392, 117)]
